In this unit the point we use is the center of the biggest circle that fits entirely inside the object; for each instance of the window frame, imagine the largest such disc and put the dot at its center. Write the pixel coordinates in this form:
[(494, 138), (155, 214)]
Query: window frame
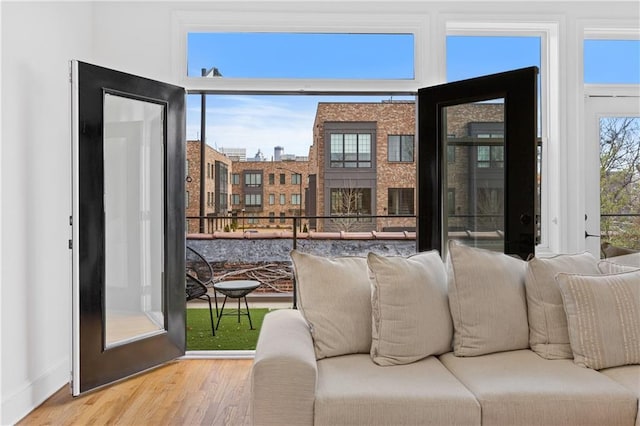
[(429, 28)]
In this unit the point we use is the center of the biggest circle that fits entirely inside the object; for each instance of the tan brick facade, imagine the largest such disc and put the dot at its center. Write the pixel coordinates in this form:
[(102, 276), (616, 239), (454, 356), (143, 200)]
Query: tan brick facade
[(273, 192), (213, 202)]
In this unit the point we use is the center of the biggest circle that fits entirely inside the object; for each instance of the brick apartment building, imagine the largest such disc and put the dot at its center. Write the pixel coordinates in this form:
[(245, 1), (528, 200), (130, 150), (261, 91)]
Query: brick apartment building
[(268, 193), (217, 187), (363, 163)]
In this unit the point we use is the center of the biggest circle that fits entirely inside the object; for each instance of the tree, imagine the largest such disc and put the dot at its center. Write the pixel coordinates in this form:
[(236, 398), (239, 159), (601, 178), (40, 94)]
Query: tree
[(620, 180)]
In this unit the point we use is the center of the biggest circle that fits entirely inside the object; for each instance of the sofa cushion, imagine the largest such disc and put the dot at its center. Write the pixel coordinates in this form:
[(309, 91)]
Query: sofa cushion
[(629, 377), (411, 318), (603, 317), (353, 390), (487, 301), (334, 296), (522, 388), (548, 335)]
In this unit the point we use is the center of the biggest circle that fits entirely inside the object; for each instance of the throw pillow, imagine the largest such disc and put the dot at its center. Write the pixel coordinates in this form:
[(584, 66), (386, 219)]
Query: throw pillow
[(411, 318), (487, 301), (548, 335), (334, 296), (603, 315), (609, 267)]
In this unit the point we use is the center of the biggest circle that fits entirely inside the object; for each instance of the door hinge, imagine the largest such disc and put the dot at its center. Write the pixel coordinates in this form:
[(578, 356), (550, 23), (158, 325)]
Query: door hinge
[(70, 244)]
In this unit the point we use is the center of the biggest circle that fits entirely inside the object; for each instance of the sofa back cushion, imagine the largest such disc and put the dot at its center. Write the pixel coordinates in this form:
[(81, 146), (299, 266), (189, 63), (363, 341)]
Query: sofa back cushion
[(411, 318), (548, 336), (603, 317), (334, 296), (487, 301)]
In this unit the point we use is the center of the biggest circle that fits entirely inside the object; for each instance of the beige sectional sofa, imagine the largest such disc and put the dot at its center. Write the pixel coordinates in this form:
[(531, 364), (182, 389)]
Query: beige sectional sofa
[(417, 341)]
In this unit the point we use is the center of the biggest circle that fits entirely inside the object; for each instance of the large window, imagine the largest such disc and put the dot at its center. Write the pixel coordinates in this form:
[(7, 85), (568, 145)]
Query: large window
[(253, 200), (295, 199), (235, 199), (350, 201), (296, 178), (349, 150), (400, 201), (253, 179), (400, 148), (235, 179)]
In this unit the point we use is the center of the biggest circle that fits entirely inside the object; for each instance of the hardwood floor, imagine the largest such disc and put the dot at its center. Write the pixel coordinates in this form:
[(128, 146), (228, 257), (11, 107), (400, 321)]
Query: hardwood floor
[(182, 392)]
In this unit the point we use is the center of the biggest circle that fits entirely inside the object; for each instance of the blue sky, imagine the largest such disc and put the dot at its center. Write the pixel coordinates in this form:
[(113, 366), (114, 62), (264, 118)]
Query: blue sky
[(263, 122)]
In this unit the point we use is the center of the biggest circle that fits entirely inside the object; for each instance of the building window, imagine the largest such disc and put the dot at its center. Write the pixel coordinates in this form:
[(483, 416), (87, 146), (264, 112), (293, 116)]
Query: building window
[(400, 201), (235, 179), (295, 199), (451, 154), (400, 148), (282, 218), (252, 179), (282, 179), (350, 201), (349, 150), (272, 179), (186, 199), (272, 199), (283, 199), (451, 201), (272, 217), (235, 199), (490, 156), (252, 219), (296, 179), (253, 200)]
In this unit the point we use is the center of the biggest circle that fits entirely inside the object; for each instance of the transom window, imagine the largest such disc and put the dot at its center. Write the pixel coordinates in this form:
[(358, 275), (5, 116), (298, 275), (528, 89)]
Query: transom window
[(350, 150), (400, 148)]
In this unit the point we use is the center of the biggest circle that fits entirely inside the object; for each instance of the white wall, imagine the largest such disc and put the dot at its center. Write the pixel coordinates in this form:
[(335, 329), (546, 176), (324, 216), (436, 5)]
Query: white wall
[(38, 40)]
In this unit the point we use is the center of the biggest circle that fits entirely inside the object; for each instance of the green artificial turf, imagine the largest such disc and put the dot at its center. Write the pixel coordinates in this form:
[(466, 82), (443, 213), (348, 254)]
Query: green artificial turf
[(229, 336)]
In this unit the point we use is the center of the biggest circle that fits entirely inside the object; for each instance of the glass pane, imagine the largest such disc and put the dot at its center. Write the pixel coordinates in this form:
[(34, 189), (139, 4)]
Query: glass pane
[(474, 204), (134, 219), (620, 181), (300, 55), (612, 61)]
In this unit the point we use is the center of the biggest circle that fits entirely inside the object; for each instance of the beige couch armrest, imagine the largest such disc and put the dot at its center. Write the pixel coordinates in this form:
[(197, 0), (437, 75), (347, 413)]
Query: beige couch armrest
[(283, 378)]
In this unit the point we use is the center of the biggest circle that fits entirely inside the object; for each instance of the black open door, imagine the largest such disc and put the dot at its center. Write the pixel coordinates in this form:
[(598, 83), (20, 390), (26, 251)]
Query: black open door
[(127, 225), (477, 163)]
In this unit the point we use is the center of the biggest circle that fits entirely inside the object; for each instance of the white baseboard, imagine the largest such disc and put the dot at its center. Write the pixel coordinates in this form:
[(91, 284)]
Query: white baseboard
[(22, 401)]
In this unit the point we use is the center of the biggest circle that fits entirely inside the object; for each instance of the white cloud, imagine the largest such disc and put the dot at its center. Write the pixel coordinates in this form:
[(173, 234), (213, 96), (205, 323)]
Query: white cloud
[(260, 122)]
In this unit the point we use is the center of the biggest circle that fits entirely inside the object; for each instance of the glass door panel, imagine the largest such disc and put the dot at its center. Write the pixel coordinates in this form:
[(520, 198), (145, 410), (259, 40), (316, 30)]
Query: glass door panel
[(620, 181), (134, 218), (474, 175)]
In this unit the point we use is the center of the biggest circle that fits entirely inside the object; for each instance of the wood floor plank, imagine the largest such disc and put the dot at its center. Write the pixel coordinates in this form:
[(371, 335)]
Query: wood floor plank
[(182, 392)]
